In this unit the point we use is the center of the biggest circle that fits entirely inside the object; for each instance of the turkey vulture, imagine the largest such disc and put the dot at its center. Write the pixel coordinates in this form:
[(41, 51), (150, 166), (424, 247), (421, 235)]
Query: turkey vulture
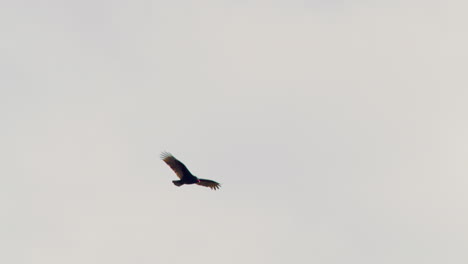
[(184, 174)]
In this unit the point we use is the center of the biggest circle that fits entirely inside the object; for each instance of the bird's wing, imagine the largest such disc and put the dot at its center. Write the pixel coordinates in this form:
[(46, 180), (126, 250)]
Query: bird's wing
[(209, 183), (177, 166)]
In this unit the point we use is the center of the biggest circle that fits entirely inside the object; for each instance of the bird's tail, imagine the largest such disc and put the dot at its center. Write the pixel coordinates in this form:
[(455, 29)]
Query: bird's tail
[(177, 183)]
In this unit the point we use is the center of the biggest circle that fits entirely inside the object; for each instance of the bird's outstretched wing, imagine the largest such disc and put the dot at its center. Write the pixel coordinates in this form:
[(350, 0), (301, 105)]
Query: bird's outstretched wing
[(209, 183), (177, 166)]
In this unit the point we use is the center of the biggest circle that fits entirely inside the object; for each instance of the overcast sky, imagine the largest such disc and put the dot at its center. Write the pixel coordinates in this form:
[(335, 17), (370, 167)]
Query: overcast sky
[(338, 130)]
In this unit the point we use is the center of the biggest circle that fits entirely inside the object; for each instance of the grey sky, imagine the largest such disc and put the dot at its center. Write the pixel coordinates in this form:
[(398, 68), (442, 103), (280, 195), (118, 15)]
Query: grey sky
[(337, 128)]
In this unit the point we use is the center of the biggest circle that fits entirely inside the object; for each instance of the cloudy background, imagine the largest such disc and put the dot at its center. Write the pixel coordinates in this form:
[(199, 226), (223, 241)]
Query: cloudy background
[(337, 128)]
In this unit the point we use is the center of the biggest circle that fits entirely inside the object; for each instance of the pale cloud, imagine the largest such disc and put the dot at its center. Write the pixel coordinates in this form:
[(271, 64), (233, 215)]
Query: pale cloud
[(337, 130)]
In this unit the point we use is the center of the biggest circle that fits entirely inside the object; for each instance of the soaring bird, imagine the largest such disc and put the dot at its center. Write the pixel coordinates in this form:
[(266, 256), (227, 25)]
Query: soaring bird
[(184, 174)]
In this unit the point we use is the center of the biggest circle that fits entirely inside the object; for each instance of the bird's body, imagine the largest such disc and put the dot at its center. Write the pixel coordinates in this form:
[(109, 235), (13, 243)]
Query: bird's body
[(185, 176)]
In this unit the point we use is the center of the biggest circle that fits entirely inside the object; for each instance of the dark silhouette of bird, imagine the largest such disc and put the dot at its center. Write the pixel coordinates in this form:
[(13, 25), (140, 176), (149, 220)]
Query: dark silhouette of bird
[(184, 174)]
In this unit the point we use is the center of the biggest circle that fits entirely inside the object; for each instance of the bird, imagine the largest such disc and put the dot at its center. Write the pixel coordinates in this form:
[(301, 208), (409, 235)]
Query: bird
[(185, 176)]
